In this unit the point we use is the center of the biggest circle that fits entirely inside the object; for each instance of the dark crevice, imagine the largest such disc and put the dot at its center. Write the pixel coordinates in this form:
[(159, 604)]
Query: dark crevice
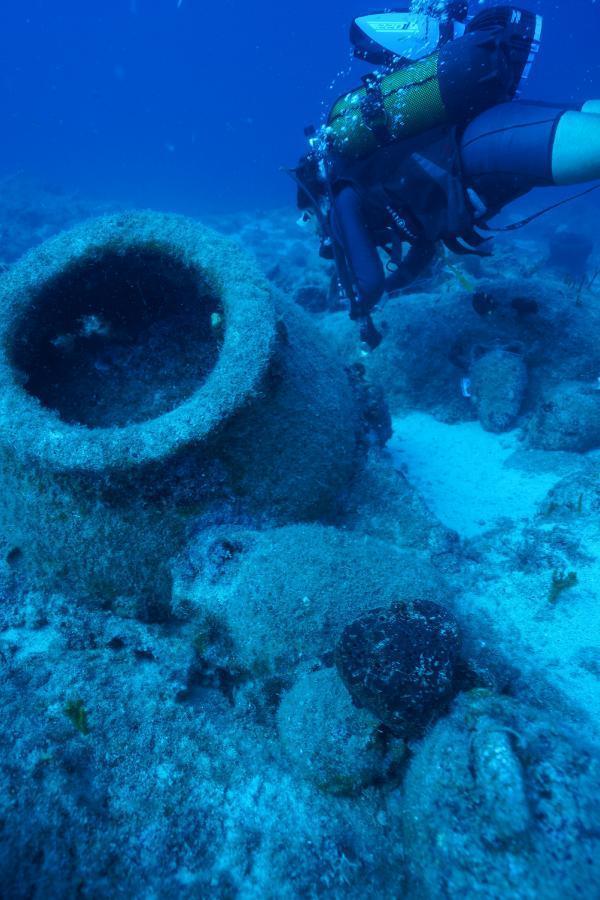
[(119, 338)]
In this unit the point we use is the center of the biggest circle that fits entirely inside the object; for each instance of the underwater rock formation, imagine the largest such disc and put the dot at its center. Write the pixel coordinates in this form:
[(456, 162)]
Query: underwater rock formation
[(498, 383), (284, 596), (500, 801), (570, 251), (163, 796), (568, 418), (148, 377), (430, 335), (575, 497), (383, 504), (399, 663), (329, 740)]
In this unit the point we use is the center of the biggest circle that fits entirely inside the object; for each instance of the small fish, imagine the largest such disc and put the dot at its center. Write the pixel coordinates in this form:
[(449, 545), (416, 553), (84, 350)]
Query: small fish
[(465, 283)]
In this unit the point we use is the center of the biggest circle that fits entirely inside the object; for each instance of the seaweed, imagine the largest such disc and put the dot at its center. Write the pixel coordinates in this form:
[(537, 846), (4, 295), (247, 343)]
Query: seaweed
[(561, 581), (76, 712), (578, 286)]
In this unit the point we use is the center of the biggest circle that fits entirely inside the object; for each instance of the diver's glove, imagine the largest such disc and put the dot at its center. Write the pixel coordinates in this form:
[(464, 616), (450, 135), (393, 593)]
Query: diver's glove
[(370, 337), (360, 313)]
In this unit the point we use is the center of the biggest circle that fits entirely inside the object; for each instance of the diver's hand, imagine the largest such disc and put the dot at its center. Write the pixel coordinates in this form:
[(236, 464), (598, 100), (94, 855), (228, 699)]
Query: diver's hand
[(370, 337), (360, 312)]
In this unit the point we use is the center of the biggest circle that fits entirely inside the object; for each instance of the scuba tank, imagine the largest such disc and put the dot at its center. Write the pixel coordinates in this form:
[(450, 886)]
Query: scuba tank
[(451, 85)]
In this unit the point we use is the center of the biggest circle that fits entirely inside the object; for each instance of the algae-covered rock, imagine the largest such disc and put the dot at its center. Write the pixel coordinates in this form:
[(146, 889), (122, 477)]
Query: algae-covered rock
[(501, 801), (568, 418), (285, 595), (330, 741), (384, 504), (167, 795), (498, 382), (570, 252), (574, 497), (400, 662), (149, 376)]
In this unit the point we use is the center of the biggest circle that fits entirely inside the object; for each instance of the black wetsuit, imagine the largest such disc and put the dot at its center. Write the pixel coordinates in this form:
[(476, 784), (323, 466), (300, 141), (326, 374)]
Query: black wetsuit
[(503, 153), (507, 150), (437, 187)]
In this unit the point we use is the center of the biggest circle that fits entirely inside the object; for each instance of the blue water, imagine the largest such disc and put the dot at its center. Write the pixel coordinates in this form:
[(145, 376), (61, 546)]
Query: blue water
[(281, 617), (196, 106)]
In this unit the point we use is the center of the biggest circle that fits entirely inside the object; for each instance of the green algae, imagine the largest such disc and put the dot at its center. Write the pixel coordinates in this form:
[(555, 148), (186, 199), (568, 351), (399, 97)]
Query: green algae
[(561, 581), (76, 712)]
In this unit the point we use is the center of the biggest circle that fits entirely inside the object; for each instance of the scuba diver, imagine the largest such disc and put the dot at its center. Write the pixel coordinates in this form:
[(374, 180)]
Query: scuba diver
[(433, 145)]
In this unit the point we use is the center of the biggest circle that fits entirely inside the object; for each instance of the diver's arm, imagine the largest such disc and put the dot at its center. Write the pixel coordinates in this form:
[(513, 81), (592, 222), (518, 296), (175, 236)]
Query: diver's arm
[(359, 248), (416, 260)]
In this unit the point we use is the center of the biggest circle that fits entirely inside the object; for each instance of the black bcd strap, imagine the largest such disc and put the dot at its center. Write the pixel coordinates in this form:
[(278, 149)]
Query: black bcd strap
[(516, 226), (373, 109)]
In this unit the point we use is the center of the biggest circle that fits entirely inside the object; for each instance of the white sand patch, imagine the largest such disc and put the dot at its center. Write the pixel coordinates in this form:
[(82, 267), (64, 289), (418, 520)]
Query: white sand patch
[(23, 642), (468, 477), (562, 639)]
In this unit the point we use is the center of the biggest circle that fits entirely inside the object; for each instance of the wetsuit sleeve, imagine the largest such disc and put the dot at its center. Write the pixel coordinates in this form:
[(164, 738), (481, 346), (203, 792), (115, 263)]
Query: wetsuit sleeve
[(360, 249)]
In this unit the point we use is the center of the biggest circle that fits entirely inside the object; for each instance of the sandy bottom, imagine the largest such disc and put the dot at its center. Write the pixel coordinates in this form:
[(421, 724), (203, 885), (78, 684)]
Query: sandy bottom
[(472, 481), (470, 478)]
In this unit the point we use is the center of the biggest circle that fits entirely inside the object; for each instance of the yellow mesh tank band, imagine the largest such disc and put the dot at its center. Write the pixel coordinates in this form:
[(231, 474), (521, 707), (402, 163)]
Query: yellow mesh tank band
[(412, 101)]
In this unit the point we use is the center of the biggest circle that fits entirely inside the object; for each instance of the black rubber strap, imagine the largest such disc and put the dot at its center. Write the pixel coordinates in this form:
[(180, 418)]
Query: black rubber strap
[(515, 226), (373, 109)]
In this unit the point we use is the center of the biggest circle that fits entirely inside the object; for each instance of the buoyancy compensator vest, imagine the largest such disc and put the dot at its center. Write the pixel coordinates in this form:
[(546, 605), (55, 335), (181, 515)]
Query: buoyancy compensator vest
[(450, 86)]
